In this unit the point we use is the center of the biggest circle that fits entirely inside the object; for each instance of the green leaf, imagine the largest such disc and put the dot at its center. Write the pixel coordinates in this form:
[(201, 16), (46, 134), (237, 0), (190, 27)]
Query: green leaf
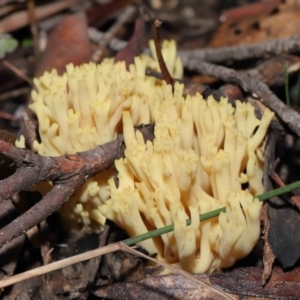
[(27, 43), (7, 45)]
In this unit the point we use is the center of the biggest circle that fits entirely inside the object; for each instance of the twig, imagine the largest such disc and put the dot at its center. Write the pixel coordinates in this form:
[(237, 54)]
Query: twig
[(14, 93), (20, 19), (175, 269), (237, 53), (18, 72), (98, 252), (97, 37), (66, 172), (43, 209), (278, 180), (131, 241), (250, 82), (7, 116), (163, 68), (4, 10), (59, 264)]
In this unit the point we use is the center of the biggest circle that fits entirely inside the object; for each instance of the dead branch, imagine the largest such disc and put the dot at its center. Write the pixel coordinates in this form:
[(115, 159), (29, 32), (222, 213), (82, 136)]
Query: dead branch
[(250, 82), (67, 173), (236, 53), (43, 209)]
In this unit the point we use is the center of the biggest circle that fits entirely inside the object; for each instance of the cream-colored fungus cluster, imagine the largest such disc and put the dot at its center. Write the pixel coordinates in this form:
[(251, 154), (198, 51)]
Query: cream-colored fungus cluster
[(202, 153), (173, 62), (83, 109)]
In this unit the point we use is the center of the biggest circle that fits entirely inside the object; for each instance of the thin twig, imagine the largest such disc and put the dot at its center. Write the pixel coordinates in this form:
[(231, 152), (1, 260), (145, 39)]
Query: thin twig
[(18, 72), (97, 37), (20, 19), (15, 93), (59, 264), (96, 253), (237, 53), (66, 172), (163, 68), (278, 180), (131, 241), (175, 269), (43, 209), (250, 82), (7, 116), (4, 10)]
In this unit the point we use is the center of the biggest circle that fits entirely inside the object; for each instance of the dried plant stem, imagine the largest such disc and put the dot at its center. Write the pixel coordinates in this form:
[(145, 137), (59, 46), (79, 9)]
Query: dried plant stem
[(7, 116), (164, 70), (96, 253), (18, 72), (59, 264), (131, 241)]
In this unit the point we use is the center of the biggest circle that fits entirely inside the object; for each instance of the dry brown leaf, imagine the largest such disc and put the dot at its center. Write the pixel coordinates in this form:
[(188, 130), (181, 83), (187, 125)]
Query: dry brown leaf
[(281, 22), (68, 43), (247, 282), (159, 287)]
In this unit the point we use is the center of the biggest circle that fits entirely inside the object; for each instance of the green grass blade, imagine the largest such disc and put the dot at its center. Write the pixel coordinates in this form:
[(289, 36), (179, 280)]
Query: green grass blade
[(209, 215)]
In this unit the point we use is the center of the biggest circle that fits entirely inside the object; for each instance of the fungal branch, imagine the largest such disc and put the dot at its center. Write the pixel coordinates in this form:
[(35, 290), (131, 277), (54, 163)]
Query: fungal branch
[(163, 67)]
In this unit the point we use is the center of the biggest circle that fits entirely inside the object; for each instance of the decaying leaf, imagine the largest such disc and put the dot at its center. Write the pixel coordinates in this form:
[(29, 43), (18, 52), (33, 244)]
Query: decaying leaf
[(74, 48), (161, 287), (247, 282), (273, 22), (284, 231)]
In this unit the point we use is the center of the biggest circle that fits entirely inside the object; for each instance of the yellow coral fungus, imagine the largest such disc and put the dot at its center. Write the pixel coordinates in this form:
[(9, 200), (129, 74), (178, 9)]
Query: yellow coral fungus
[(83, 109), (182, 175), (202, 153)]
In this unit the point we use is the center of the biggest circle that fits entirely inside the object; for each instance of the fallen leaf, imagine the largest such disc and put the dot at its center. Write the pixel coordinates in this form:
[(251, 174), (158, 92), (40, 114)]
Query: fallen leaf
[(273, 22), (68, 43), (273, 70), (159, 287), (284, 235), (7, 137), (247, 282)]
